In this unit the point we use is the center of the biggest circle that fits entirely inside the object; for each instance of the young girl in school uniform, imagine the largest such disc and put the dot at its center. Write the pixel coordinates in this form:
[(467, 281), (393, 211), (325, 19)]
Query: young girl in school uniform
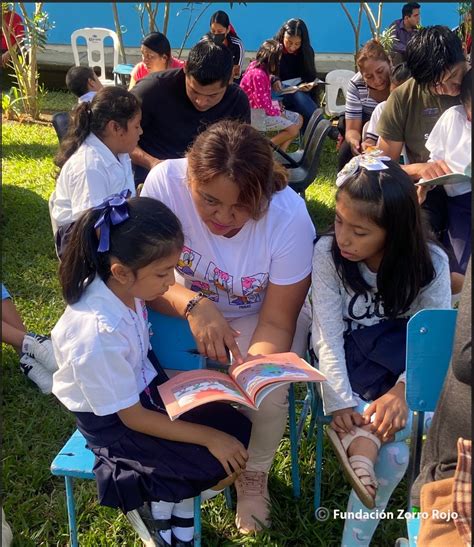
[(374, 271), (94, 157), (121, 254)]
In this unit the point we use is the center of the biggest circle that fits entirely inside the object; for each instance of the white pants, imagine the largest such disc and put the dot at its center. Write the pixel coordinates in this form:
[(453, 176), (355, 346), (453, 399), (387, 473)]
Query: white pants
[(269, 421)]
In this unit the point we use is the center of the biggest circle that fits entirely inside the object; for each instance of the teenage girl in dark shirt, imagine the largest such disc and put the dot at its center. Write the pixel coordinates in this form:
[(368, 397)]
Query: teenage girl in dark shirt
[(297, 61)]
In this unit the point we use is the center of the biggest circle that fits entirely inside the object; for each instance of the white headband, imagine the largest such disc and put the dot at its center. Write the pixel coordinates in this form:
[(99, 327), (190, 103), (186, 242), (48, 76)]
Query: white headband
[(371, 160)]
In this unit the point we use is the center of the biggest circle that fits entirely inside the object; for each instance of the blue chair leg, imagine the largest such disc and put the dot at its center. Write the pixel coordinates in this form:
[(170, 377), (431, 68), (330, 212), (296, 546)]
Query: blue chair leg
[(415, 452), (295, 475), (197, 521), (318, 471), (71, 512), (228, 498)]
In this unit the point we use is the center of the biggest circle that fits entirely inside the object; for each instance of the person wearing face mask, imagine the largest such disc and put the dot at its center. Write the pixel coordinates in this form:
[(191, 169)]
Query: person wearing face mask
[(224, 33), (369, 87), (297, 61), (156, 56), (437, 63)]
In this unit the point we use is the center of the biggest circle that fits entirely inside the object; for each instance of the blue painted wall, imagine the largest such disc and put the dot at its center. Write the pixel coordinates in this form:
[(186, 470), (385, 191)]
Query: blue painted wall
[(329, 27)]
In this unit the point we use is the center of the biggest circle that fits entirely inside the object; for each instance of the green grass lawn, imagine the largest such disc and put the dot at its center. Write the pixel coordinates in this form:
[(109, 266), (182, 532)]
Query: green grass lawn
[(35, 426)]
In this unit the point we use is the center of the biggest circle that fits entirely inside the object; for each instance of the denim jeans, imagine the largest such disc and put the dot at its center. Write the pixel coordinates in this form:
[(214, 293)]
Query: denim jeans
[(302, 103)]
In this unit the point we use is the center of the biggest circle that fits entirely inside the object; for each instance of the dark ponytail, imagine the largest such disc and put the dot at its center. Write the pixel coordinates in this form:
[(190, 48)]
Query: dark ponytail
[(151, 232), (110, 103)]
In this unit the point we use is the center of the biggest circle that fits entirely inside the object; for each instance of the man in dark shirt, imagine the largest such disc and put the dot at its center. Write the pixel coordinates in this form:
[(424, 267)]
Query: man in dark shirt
[(403, 30), (179, 104)]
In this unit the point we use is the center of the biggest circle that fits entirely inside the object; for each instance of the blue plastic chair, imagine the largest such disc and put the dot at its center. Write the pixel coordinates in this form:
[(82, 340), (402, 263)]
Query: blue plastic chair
[(430, 339), (75, 461)]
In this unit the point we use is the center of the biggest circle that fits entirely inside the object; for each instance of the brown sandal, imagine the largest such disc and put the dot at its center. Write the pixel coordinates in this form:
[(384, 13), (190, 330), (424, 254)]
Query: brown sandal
[(359, 470)]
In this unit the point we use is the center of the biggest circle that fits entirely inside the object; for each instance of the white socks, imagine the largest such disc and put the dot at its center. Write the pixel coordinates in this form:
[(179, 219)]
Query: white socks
[(164, 510), (161, 510), (183, 510)]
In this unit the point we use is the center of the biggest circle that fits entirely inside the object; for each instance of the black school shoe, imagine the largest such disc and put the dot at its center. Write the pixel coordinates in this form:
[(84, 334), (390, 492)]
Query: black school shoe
[(147, 527), (182, 523)]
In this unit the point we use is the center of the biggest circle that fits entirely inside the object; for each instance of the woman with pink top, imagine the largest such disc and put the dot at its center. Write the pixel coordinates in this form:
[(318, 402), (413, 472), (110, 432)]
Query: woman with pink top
[(256, 84), (156, 55)]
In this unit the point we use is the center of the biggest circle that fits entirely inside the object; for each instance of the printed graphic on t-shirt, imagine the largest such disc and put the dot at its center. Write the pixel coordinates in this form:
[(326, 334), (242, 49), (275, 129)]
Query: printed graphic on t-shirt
[(220, 279), (365, 309), (217, 281), (205, 288), (188, 261)]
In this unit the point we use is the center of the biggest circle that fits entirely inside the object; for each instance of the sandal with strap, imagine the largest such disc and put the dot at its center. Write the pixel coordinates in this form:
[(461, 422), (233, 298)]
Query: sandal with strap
[(147, 527), (358, 469)]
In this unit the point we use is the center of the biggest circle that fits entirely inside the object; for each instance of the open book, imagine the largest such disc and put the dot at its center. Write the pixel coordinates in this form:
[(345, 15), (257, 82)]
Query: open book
[(305, 86), (451, 178), (246, 384)]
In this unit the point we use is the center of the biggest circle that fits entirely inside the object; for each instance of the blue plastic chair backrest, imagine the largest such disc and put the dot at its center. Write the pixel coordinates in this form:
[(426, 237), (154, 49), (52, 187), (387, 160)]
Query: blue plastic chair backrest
[(430, 338), (173, 342)]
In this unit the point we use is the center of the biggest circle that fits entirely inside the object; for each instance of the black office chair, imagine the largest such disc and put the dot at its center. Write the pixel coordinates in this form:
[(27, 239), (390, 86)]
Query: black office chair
[(61, 122), (295, 159), (299, 178)]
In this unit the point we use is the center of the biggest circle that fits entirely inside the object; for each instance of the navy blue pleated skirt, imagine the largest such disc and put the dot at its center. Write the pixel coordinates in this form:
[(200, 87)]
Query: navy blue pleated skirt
[(132, 468)]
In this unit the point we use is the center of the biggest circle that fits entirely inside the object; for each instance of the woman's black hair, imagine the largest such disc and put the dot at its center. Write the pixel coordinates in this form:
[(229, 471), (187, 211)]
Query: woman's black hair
[(431, 52), (466, 88), (400, 73), (268, 56), (151, 232), (209, 62), (221, 18), (297, 27), (109, 103), (157, 42), (388, 198)]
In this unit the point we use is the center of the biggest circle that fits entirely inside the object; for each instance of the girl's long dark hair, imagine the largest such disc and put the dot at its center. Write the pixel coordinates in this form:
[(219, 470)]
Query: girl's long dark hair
[(268, 56), (297, 27), (389, 199), (151, 232), (110, 103)]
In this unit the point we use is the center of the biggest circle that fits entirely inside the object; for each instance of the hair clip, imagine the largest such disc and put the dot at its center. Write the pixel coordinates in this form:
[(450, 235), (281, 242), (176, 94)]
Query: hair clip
[(114, 211), (372, 160)]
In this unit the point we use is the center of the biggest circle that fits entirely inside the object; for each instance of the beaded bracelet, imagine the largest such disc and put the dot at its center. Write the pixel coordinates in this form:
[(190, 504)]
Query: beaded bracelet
[(193, 302)]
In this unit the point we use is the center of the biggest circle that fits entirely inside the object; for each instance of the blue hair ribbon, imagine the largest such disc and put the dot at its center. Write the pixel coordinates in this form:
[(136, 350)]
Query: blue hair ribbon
[(114, 211)]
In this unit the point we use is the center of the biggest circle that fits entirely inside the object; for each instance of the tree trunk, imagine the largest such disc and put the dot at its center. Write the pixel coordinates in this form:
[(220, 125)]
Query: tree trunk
[(118, 30)]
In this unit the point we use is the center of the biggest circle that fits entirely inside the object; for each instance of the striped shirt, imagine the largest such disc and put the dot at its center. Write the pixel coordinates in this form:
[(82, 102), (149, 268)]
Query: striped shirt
[(359, 106)]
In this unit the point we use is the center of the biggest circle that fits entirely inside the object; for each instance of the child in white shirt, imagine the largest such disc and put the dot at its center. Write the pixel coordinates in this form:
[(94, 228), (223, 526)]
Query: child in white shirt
[(94, 157), (450, 142), (120, 255)]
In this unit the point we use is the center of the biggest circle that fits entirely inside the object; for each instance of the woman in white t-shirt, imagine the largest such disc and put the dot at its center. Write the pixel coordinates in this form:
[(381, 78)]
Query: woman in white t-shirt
[(243, 273)]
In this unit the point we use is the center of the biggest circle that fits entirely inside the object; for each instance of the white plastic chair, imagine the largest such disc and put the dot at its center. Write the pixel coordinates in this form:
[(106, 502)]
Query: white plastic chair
[(95, 49), (336, 80)]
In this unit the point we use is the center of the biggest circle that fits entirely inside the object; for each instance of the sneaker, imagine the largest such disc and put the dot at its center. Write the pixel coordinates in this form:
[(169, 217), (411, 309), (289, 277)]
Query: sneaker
[(253, 502), (148, 528), (40, 348), (39, 375)]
